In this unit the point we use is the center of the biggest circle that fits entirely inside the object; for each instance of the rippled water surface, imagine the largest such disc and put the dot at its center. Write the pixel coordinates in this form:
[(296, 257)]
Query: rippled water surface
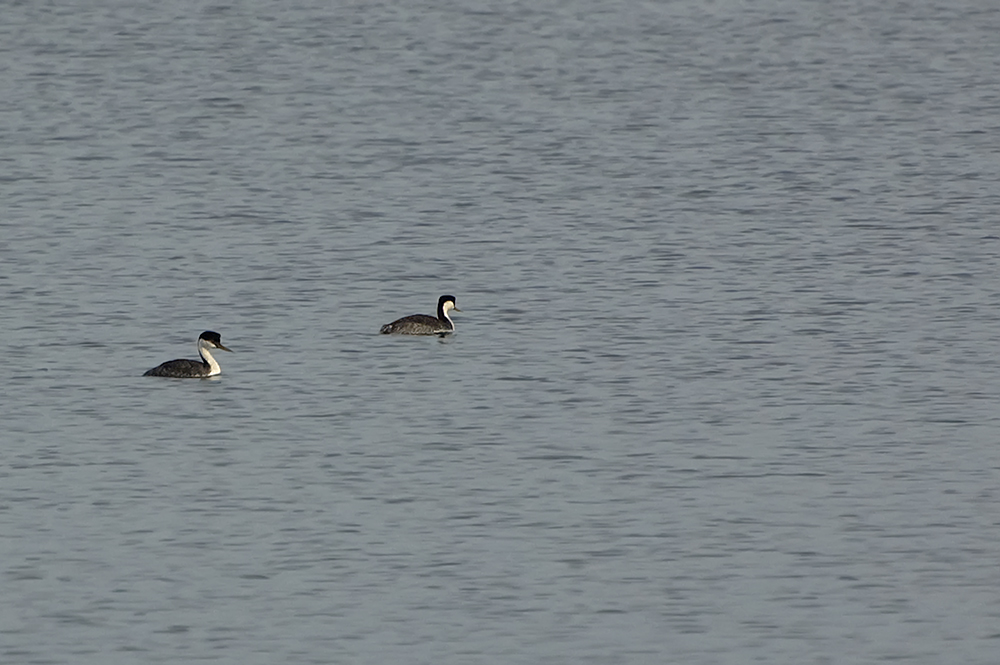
[(723, 389)]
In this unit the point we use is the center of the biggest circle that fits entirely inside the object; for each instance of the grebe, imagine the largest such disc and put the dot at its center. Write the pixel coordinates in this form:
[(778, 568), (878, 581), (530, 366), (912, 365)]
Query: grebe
[(422, 324), (192, 369)]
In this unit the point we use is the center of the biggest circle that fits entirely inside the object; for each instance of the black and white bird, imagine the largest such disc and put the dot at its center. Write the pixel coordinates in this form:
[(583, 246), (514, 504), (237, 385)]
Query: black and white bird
[(193, 369), (423, 324)]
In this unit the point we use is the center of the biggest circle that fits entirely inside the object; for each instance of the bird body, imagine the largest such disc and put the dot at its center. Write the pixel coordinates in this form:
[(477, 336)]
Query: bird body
[(192, 369), (424, 324)]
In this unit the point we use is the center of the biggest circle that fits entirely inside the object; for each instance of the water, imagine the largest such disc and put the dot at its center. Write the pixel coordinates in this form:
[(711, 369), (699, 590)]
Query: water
[(723, 387)]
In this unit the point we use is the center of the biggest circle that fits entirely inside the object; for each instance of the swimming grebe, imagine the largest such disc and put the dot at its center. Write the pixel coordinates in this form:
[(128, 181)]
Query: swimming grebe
[(192, 369), (422, 324)]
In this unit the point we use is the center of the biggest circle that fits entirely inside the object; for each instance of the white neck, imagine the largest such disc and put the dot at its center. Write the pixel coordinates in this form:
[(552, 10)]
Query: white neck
[(206, 355), (447, 307)]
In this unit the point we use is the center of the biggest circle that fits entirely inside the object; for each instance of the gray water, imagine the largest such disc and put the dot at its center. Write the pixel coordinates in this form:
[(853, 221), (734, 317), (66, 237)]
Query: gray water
[(723, 389)]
